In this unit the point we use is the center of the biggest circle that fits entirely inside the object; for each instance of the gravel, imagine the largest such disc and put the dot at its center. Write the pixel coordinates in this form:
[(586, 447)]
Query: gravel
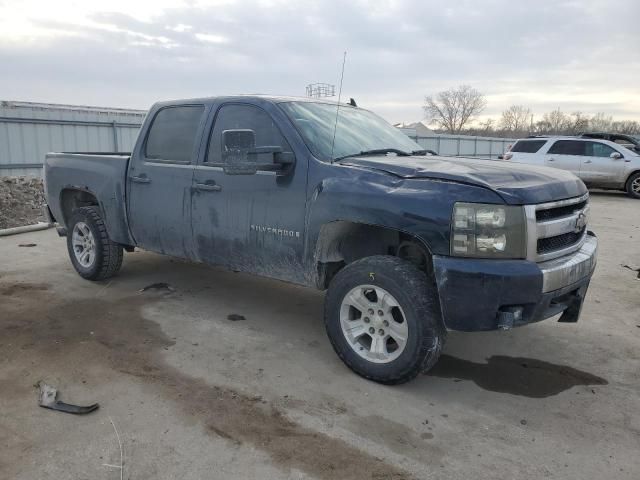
[(21, 199)]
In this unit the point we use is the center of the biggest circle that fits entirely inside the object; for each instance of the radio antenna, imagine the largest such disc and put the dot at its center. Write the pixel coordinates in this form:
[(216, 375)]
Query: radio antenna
[(335, 127)]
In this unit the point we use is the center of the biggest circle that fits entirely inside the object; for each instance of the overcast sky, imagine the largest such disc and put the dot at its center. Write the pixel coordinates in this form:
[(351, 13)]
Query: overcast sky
[(577, 55)]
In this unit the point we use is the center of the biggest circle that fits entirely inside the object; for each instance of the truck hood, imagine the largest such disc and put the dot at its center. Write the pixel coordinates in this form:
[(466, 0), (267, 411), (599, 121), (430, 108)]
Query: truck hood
[(516, 183)]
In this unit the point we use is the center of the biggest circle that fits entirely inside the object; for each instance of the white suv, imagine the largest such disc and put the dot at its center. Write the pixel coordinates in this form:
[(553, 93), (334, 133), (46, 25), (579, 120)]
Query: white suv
[(598, 163)]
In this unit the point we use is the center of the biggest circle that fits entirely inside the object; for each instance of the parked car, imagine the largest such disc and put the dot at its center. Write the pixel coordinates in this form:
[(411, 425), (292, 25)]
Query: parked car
[(598, 163), (628, 141), (406, 245)]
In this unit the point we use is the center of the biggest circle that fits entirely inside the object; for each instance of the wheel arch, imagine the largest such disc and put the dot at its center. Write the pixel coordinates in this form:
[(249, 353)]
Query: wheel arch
[(341, 242), (631, 174), (76, 197), (111, 210)]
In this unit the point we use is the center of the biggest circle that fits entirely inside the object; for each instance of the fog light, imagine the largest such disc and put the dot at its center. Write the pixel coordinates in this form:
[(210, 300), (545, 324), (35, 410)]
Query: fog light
[(509, 316)]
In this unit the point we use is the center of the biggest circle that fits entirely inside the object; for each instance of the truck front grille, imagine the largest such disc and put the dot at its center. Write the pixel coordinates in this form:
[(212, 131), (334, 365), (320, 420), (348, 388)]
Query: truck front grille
[(551, 244), (557, 212), (556, 228)]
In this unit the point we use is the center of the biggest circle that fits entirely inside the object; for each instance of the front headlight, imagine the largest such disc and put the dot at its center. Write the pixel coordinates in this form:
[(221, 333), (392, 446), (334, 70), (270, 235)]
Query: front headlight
[(488, 231)]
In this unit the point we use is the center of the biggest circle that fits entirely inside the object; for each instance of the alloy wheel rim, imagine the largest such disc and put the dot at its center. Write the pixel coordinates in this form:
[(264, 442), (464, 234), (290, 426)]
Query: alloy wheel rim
[(635, 185), (83, 243), (373, 324)]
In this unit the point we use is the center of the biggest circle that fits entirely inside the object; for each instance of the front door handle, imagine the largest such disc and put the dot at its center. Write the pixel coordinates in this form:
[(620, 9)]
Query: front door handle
[(141, 179), (588, 161), (207, 187), (552, 159)]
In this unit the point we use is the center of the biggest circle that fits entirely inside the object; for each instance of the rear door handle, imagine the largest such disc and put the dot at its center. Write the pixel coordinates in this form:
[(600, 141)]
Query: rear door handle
[(588, 161), (141, 179), (552, 159), (207, 187)]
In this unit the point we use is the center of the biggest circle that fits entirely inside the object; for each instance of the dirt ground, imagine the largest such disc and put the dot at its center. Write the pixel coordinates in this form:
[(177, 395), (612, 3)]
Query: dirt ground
[(195, 395)]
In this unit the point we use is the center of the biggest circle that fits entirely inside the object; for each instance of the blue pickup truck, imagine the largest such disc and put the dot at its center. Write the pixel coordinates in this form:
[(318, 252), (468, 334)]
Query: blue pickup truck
[(408, 245)]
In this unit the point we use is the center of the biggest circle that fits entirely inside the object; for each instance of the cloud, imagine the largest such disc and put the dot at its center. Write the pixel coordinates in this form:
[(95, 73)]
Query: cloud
[(545, 54)]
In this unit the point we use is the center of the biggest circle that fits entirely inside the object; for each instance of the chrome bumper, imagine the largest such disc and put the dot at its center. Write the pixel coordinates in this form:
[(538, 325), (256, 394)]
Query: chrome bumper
[(563, 271)]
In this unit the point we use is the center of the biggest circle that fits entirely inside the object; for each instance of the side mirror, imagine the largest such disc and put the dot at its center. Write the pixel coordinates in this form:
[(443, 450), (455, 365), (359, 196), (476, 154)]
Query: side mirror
[(236, 145), (616, 155), (240, 155), (279, 159)]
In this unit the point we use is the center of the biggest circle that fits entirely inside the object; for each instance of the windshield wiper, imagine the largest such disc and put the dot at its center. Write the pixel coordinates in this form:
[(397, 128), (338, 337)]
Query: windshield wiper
[(378, 151)]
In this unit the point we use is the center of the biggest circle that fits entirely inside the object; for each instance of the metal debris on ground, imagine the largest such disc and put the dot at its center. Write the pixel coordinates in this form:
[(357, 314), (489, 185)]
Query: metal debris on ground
[(633, 268), (49, 399), (27, 244), (158, 286), (121, 466), (234, 317)]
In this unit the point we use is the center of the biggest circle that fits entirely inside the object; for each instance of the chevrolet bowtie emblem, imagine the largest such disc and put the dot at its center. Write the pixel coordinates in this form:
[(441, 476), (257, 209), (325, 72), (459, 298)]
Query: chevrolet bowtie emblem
[(581, 222)]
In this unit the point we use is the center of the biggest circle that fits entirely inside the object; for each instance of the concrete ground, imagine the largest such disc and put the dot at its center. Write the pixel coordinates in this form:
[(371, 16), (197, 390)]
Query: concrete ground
[(194, 395)]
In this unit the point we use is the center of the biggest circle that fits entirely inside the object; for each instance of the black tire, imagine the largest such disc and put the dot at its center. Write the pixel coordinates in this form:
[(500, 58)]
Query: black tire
[(418, 299), (633, 182), (108, 254)]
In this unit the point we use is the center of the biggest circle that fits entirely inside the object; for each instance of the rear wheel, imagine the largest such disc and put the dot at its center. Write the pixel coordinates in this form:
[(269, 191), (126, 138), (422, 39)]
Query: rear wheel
[(383, 319), (92, 253), (633, 185)]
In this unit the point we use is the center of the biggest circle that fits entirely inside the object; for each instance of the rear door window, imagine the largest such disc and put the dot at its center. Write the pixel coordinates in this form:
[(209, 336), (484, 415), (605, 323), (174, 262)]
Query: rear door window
[(528, 146), (567, 147), (172, 135)]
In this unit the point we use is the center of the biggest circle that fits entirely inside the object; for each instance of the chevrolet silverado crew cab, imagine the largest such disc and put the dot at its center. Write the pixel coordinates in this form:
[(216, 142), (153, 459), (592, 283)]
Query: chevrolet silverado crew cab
[(408, 246)]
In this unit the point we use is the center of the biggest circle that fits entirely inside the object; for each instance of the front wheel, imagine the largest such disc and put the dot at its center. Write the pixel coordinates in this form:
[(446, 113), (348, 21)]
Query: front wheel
[(633, 185), (93, 254), (383, 319)]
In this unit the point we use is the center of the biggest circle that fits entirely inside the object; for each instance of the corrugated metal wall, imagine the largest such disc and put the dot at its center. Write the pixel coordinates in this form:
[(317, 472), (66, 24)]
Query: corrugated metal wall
[(461, 145), (30, 130)]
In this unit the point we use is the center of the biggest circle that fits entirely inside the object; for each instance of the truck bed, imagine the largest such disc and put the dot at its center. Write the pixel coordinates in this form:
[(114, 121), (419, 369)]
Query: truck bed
[(102, 173)]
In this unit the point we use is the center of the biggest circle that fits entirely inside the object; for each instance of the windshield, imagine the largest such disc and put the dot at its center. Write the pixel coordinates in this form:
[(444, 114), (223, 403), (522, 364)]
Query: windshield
[(358, 130)]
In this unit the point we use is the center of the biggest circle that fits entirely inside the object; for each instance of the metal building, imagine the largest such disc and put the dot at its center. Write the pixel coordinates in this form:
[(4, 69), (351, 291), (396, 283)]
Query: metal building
[(29, 130), (460, 145)]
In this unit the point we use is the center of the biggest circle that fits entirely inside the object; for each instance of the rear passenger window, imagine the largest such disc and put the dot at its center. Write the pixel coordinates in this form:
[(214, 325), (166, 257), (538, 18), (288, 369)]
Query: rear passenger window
[(528, 146), (173, 133), (567, 147)]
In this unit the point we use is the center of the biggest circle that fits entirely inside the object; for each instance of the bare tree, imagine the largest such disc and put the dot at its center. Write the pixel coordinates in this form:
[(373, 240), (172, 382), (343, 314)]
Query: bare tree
[(577, 123), (600, 122), (554, 122), (453, 109), (630, 127), (516, 118), (487, 126)]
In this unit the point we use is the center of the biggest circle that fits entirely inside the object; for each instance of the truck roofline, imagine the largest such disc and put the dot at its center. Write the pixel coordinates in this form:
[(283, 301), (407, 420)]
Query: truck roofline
[(253, 96)]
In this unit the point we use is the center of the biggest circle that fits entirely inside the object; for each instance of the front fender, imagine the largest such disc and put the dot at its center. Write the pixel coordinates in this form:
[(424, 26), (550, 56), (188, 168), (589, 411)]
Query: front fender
[(418, 207)]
